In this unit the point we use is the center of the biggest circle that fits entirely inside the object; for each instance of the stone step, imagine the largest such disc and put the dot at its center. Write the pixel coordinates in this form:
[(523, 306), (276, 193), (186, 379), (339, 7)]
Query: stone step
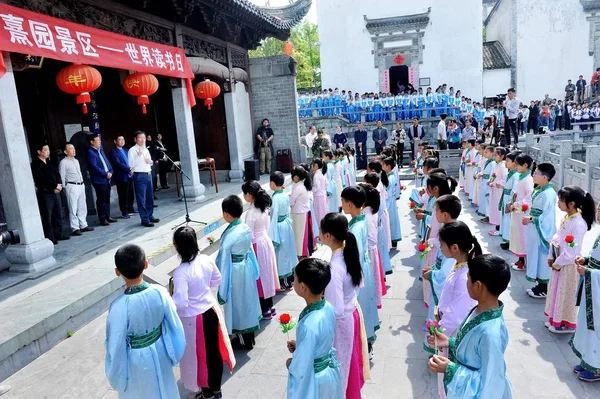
[(38, 314)]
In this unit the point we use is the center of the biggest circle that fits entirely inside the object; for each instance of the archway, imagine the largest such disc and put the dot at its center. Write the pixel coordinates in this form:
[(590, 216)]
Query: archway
[(398, 78)]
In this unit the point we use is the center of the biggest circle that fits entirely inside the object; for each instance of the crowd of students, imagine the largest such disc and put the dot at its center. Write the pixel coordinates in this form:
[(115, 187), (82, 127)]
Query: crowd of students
[(270, 251)]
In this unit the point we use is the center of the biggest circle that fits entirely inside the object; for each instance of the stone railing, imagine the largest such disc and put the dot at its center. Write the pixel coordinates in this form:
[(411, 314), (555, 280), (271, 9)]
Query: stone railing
[(560, 150)]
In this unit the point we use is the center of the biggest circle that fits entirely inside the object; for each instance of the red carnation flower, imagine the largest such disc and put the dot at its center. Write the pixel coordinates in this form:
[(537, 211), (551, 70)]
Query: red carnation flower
[(524, 208), (569, 239), (415, 170), (285, 318), (422, 247), (412, 204)]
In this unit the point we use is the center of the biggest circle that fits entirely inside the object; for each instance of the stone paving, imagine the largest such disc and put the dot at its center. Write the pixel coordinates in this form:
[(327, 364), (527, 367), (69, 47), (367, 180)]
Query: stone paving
[(539, 363)]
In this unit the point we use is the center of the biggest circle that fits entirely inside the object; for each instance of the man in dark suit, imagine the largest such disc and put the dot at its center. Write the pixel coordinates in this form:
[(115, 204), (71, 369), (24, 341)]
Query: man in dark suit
[(163, 164), (415, 134), (101, 173), (122, 177), (380, 136), (360, 141)]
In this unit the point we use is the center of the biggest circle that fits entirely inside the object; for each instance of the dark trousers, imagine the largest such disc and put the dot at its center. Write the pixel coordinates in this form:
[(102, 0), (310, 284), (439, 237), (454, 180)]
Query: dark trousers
[(266, 304), (154, 177), (51, 213), (511, 130), (144, 194), (214, 361), (125, 191), (361, 156), (378, 149), (102, 200), (400, 153), (559, 123), (454, 146), (163, 168), (533, 125)]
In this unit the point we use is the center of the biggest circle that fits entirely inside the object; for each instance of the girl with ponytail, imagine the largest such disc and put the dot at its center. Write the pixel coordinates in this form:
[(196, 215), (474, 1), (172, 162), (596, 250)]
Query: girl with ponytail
[(351, 163), (258, 220), (371, 216), (332, 193), (346, 279), (384, 241), (353, 201), (496, 182), (300, 212), (522, 192), (392, 207), (337, 176), (565, 247), (319, 191), (311, 201), (507, 194)]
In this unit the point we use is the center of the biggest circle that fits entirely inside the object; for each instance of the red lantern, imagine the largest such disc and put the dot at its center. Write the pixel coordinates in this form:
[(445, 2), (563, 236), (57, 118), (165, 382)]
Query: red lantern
[(141, 85), (80, 80), (207, 90), (288, 48)]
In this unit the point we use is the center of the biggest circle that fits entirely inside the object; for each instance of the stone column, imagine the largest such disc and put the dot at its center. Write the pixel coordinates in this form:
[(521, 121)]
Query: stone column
[(592, 159), (194, 190), (239, 130), (565, 149), (34, 253)]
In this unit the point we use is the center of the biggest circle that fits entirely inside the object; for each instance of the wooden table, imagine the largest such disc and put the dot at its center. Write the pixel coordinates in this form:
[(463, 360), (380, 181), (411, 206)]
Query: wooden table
[(203, 164)]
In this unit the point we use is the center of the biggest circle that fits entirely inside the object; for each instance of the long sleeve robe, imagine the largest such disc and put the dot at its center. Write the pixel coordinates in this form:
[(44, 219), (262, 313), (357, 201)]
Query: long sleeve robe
[(392, 207), (282, 235), (540, 232), (145, 372), (332, 191), (484, 188), (496, 192)]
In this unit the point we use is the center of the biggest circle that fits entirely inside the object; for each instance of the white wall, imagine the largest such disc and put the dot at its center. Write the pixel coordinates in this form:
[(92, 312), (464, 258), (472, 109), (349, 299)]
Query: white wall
[(495, 81), (552, 43), (347, 61), (498, 28), (453, 46)]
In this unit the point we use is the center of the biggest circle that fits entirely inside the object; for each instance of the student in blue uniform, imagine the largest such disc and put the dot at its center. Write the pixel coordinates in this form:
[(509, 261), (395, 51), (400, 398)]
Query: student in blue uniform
[(421, 103), (429, 102)]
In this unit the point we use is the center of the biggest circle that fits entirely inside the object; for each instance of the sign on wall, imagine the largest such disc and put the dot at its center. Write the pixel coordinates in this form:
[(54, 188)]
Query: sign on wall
[(386, 81), (412, 76)]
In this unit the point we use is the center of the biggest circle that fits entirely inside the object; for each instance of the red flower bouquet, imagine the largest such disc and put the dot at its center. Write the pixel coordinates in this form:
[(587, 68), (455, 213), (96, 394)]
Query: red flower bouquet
[(570, 240), (423, 249)]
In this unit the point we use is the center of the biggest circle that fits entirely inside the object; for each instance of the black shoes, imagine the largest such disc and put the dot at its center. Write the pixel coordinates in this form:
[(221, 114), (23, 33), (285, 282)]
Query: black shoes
[(76, 233), (87, 228), (154, 220), (111, 220), (147, 224)]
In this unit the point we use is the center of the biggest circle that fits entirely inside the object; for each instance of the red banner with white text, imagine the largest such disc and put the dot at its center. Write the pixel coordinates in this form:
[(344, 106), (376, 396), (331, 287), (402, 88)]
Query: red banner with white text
[(27, 32)]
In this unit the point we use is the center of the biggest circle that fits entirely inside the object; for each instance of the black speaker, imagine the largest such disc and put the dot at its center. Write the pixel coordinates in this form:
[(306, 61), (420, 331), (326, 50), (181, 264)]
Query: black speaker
[(251, 170), (284, 161)]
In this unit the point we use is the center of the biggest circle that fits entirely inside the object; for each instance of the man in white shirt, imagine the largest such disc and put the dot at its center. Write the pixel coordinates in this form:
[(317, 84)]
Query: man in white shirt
[(310, 137), (442, 132), (72, 181), (512, 112), (140, 162)]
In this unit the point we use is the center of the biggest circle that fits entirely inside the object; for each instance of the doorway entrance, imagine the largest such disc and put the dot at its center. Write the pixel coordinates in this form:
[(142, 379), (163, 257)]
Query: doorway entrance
[(398, 78)]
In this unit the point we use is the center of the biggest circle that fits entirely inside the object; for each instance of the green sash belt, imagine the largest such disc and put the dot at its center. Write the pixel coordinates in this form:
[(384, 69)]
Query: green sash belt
[(486, 177), (507, 191), (594, 263), (535, 212), (238, 258), (143, 341), (326, 361), (282, 218)]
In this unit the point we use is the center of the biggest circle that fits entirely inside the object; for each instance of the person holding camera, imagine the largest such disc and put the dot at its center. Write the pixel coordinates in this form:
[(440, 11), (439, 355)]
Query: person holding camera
[(264, 146)]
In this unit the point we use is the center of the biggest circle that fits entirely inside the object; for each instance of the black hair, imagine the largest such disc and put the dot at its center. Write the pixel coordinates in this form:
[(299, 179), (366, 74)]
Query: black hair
[(355, 194), (350, 150), (137, 133), (373, 198), (430, 163), (376, 166), (232, 204), (263, 121), (524, 159), (459, 233), (449, 203), (315, 273), (389, 161), (186, 243), (336, 224), (130, 260), (41, 146), (321, 165), (328, 154), (480, 141), (583, 201), (372, 179), (262, 200), (547, 169), (490, 148), (423, 144), (69, 143), (278, 178), (471, 141), (443, 116), (513, 155), (446, 184), (303, 176), (492, 271), (438, 170), (501, 151)]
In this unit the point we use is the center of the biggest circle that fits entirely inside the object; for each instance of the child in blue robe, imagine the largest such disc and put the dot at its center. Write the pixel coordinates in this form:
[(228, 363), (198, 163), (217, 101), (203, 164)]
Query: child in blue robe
[(281, 231), (392, 206), (144, 336), (332, 192), (484, 188), (507, 194), (541, 227), (475, 366), (238, 291), (353, 200), (313, 371)]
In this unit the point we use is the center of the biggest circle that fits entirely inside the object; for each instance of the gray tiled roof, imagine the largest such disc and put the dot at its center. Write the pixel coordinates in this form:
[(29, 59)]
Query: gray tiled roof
[(280, 18), (495, 56)]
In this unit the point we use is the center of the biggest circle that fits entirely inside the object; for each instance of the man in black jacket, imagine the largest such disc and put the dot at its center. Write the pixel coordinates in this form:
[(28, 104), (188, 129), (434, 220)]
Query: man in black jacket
[(264, 146), (48, 185), (163, 164)]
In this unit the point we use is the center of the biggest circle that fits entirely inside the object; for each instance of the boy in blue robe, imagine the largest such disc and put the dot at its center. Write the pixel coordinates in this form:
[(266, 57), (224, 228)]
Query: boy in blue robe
[(319, 104), (238, 292), (541, 228), (475, 366), (144, 336), (393, 193), (281, 232), (484, 188), (313, 371)]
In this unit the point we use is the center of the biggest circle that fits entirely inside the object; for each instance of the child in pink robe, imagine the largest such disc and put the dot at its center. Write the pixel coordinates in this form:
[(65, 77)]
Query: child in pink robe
[(520, 207), (497, 182)]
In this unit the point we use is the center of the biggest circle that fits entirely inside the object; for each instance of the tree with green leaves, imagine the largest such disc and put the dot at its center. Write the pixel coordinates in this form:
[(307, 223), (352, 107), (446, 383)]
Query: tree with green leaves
[(305, 41)]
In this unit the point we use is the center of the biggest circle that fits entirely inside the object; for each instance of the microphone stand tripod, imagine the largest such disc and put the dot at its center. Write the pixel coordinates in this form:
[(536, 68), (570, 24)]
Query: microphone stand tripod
[(187, 211)]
